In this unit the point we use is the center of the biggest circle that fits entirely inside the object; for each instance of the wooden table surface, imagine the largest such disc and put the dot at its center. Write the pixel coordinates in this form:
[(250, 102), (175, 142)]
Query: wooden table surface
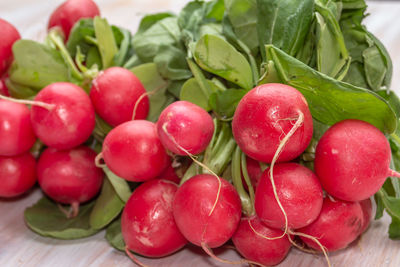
[(21, 247)]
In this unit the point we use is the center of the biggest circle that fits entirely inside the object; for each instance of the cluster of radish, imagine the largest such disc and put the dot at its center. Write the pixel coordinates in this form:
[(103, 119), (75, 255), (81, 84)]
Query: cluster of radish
[(272, 124)]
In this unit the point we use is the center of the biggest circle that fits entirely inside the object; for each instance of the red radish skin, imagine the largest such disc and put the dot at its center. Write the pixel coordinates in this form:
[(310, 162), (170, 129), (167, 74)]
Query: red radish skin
[(299, 192), (185, 125), (16, 132), (71, 120), (207, 212), (68, 13), (148, 225), (9, 35), (114, 94), (338, 224), (3, 87), (134, 152), (265, 115), (169, 174), (366, 206), (352, 160), (17, 174), (69, 176), (249, 240)]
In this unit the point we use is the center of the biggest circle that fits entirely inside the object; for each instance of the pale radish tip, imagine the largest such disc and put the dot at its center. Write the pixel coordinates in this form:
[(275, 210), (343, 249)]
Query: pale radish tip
[(393, 173), (98, 159), (133, 258), (74, 209)]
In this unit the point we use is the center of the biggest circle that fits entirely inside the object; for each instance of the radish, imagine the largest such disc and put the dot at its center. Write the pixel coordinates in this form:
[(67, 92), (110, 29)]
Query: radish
[(352, 160), (68, 13), (17, 174), (366, 206), (338, 224), (300, 194), (207, 210), (3, 87), (169, 174), (267, 115), (148, 225), (9, 34), (114, 94), (16, 133), (68, 118), (69, 176), (133, 151), (185, 128), (251, 241)]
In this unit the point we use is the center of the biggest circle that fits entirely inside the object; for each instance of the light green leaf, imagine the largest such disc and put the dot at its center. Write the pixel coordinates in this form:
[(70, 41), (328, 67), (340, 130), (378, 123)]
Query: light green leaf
[(106, 42)]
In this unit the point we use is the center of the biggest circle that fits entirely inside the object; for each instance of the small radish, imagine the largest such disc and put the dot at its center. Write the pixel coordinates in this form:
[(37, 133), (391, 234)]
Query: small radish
[(352, 160), (133, 151), (16, 133), (69, 118), (251, 241), (148, 225), (338, 224), (366, 206), (267, 115), (169, 174), (207, 210), (300, 194), (9, 34), (185, 125), (17, 174), (68, 13), (69, 176), (114, 94)]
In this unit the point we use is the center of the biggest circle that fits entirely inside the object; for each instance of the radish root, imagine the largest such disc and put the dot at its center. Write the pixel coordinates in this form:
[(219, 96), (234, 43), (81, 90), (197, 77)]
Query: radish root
[(282, 144), (98, 159), (133, 258), (47, 106), (72, 212), (393, 173)]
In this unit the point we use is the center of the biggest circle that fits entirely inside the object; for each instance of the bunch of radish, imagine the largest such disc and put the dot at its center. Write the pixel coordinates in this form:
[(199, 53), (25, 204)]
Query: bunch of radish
[(196, 177)]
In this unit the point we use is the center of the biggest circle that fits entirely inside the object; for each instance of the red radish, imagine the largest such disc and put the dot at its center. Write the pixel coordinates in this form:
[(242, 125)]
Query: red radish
[(148, 225), (68, 13), (114, 94), (251, 241), (16, 133), (169, 174), (69, 176), (71, 119), (185, 125), (366, 206), (254, 171), (338, 224), (3, 87), (134, 152), (352, 160), (268, 113), (9, 34), (299, 192), (207, 210), (17, 174)]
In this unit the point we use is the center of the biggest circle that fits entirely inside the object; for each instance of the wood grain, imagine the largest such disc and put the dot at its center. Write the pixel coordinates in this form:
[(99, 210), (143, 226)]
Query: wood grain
[(21, 247)]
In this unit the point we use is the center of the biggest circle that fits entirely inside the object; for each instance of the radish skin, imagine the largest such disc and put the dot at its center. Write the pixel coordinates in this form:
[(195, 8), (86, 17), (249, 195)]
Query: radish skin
[(9, 35)]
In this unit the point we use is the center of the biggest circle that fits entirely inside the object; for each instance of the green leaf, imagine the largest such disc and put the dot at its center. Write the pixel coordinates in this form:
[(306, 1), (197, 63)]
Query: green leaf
[(243, 16), (171, 63), (284, 23), (106, 42), (153, 82), (394, 229), (37, 65), (149, 20), (120, 185), (163, 32), (114, 235), (224, 103), (217, 56), (192, 92), (107, 207), (46, 219), (330, 100), (19, 91), (81, 30)]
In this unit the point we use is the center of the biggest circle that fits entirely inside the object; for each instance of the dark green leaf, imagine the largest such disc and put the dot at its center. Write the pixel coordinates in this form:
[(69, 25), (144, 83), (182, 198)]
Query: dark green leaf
[(379, 207), (284, 23), (330, 100), (394, 229), (175, 87), (37, 65), (106, 42), (120, 185), (46, 219), (171, 63), (19, 91), (224, 103), (114, 235), (79, 32), (217, 56), (149, 20), (107, 207)]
